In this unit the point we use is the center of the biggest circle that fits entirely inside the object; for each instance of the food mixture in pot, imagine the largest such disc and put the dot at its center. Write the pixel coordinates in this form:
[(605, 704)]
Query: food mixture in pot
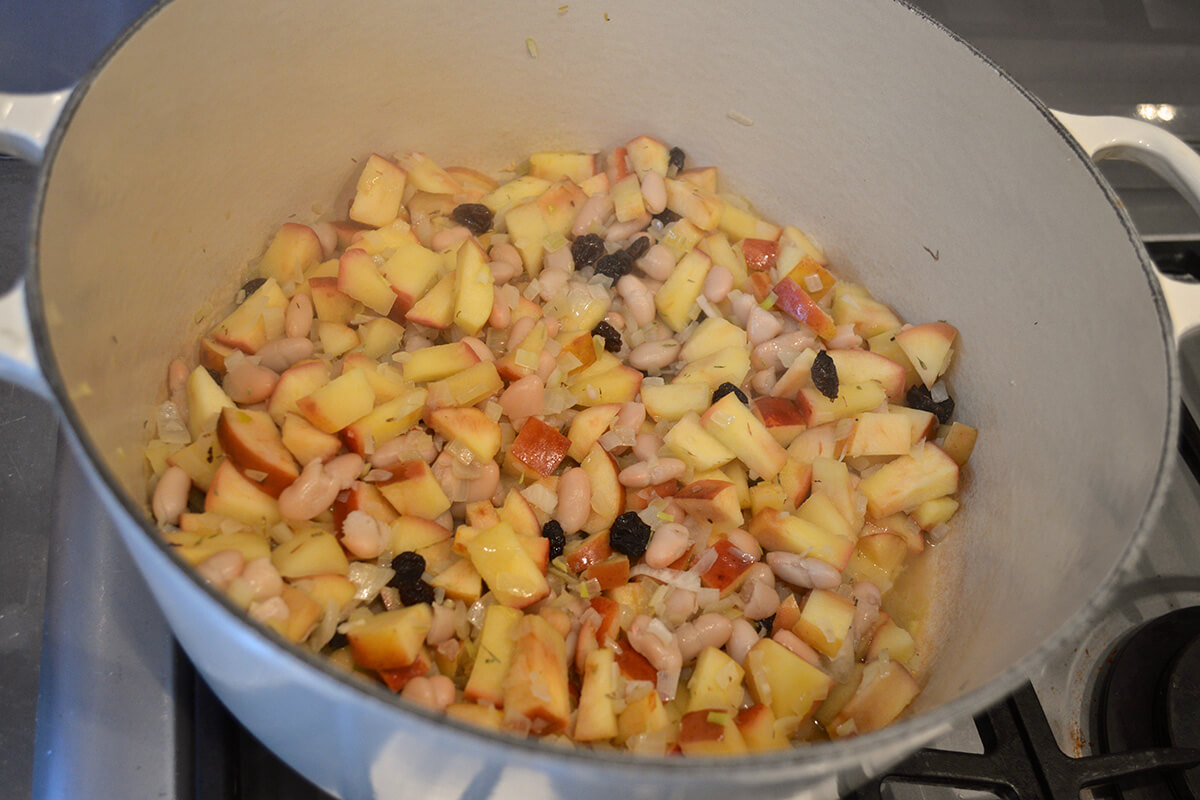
[(595, 454)]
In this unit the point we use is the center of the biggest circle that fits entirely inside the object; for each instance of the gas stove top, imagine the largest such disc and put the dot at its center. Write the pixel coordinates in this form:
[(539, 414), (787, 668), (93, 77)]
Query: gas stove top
[(120, 712)]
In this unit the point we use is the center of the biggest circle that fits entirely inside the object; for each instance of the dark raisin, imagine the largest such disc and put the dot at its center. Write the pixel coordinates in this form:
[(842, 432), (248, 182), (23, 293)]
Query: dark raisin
[(675, 159), (824, 375), (629, 535), (216, 376), (475, 217), (614, 265), (728, 388), (412, 594), (251, 286), (338, 641), (586, 249), (611, 336), (667, 216), (764, 625), (409, 567), (638, 247), (558, 540), (918, 397), (195, 502)]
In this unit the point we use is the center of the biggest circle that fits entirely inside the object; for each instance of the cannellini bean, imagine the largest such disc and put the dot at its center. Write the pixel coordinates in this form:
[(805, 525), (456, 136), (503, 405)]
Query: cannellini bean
[(247, 383), (298, 318), (406, 447), (520, 330), (170, 496), (763, 381), (574, 500), (742, 304), (809, 573), (651, 473), (631, 416), (762, 325), (364, 536), (221, 567), (501, 316), (560, 259), (482, 486), (647, 445), (449, 238), (552, 326), (327, 236), (263, 578), (506, 253), (867, 599), (435, 692), (844, 339), (637, 297), (551, 283), (482, 350), (768, 353), (654, 192), (442, 628), (660, 647), (616, 320), (706, 630), (620, 231), (658, 263), (272, 609), (503, 272), (592, 213), (718, 283), (798, 646), (745, 542), (653, 356), (280, 354), (524, 398), (318, 486), (667, 545), (546, 365), (177, 375), (742, 637), (679, 605), (759, 599)]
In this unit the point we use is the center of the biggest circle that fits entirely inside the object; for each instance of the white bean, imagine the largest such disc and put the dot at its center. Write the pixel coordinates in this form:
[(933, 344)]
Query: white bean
[(763, 381), (844, 339), (551, 283), (501, 316), (442, 628), (745, 542), (621, 231), (637, 297), (560, 259), (867, 599), (653, 356), (706, 630), (506, 253), (742, 304), (574, 500), (247, 383), (524, 398), (520, 330), (762, 325), (547, 363), (651, 473), (667, 545), (273, 609), (503, 272), (280, 354), (631, 416), (759, 599), (435, 692), (616, 320), (327, 236), (170, 496), (658, 263), (221, 567), (449, 238), (647, 445), (263, 578), (718, 283), (679, 605), (798, 646), (480, 349), (592, 214), (364, 536), (177, 375), (406, 447), (318, 486), (661, 649), (741, 638), (808, 573), (654, 192), (298, 318)]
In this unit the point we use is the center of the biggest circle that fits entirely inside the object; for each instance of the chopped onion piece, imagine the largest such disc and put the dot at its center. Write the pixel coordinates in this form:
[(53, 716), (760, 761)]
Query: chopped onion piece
[(938, 392), (813, 282), (368, 579), (938, 532), (171, 427)]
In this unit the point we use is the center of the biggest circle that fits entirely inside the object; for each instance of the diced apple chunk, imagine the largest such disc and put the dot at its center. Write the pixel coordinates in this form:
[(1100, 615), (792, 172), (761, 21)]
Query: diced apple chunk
[(906, 482), (511, 574), (392, 639), (731, 423), (378, 192)]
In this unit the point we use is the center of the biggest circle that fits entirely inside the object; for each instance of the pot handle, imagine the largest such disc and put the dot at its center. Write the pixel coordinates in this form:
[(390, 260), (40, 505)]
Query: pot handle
[(26, 122), (1168, 156)]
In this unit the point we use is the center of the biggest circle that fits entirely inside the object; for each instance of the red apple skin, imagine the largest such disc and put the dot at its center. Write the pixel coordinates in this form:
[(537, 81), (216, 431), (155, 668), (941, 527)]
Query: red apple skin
[(728, 567), (363, 497), (780, 416), (252, 443), (760, 284), (540, 447), (609, 611), (760, 254), (634, 666), (796, 302)]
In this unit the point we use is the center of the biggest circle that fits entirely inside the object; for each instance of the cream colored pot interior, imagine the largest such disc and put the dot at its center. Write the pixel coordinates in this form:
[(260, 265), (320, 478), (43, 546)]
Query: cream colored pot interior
[(924, 172)]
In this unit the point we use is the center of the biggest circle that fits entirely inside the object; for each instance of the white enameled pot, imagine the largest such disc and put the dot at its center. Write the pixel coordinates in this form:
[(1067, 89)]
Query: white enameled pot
[(927, 174)]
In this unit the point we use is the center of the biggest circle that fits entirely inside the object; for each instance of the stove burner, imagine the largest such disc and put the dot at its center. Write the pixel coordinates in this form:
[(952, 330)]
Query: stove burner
[(1149, 696)]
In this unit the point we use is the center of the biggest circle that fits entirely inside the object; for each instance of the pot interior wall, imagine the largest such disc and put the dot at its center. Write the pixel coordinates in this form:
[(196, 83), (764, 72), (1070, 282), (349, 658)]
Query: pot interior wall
[(925, 173)]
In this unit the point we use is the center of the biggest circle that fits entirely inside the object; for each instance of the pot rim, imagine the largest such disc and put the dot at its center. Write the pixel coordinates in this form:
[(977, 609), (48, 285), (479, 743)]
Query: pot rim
[(908, 733)]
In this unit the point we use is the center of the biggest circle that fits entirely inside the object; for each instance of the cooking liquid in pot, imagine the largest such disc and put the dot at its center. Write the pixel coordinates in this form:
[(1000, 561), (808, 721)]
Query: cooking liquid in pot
[(595, 454)]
